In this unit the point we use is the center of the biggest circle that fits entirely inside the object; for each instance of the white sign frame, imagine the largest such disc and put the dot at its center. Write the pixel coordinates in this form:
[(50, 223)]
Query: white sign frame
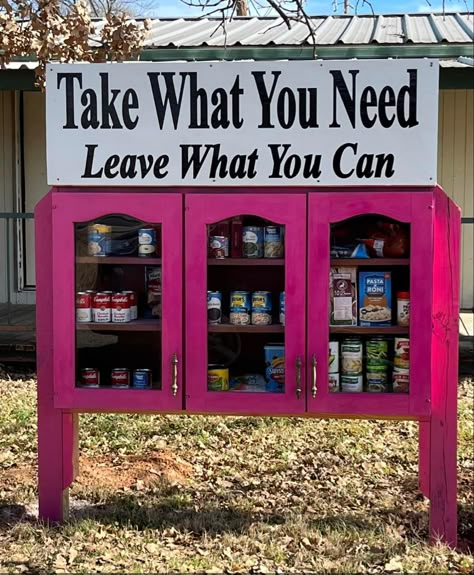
[(326, 123)]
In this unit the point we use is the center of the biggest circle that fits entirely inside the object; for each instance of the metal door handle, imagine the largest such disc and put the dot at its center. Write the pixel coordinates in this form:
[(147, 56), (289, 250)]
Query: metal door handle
[(298, 376), (174, 374), (314, 387)]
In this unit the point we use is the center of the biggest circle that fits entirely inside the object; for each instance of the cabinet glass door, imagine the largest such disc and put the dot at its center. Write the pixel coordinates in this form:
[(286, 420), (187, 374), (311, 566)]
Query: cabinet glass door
[(117, 301), (245, 303), (369, 303)]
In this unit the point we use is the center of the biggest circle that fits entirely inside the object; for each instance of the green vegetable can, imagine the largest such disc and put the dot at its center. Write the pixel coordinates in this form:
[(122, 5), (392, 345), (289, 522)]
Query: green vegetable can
[(376, 350)]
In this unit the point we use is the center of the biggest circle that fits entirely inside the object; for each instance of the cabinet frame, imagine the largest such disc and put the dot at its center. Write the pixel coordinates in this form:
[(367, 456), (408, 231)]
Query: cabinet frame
[(416, 209), (70, 208), (282, 209)]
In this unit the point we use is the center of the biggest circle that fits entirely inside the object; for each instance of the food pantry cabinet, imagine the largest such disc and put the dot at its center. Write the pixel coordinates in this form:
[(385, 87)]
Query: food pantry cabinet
[(317, 229), (327, 260)]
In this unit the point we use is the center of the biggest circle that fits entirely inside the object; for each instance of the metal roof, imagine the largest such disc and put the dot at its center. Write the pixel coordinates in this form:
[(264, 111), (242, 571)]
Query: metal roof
[(424, 29)]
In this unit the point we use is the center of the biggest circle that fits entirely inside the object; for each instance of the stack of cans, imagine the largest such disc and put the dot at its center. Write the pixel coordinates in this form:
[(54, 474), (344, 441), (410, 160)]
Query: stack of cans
[(351, 365), (106, 306), (377, 364)]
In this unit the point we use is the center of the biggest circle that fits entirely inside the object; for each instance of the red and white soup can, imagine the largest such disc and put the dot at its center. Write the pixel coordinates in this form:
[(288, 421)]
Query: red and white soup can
[(132, 297), (120, 377), (120, 308), (90, 377), (83, 307), (101, 303)]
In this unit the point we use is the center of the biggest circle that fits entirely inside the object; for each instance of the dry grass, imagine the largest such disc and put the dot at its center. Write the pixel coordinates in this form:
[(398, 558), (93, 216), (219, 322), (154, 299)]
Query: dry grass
[(212, 494)]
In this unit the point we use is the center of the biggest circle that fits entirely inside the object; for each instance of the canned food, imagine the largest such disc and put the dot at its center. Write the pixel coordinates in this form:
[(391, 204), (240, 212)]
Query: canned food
[(120, 308), (217, 378), (351, 354), (401, 357), (101, 307), (142, 378), (377, 352), (403, 308), (282, 308), (132, 298), (218, 247), (261, 308), (214, 305), (146, 242), (252, 242), (99, 239), (120, 377), (239, 308), (89, 377), (273, 244), (333, 357), (333, 382), (83, 307), (401, 380), (377, 380), (352, 383)]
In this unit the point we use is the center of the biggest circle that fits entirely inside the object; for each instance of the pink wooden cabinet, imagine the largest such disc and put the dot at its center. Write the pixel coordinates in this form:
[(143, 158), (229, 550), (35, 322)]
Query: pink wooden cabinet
[(179, 339)]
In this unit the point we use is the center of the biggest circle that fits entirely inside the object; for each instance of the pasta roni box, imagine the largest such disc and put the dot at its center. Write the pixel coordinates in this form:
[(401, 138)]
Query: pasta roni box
[(375, 298), (343, 296)]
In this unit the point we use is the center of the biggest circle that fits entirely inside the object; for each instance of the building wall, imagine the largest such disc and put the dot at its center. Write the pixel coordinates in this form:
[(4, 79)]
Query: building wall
[(455, 173), (455, 167), (7, 178)]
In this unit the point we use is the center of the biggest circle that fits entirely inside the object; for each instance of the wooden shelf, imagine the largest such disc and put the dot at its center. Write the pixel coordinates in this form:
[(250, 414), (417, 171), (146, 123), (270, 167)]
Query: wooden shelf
[(229, 328), (135, 325), (369, 262), (114, 260), (246, 262), (360, 330)]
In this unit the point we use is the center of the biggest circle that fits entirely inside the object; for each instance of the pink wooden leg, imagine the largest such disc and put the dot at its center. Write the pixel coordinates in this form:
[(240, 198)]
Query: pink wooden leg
[(424, 457), (443, 474), (57, 440), (444, 372)]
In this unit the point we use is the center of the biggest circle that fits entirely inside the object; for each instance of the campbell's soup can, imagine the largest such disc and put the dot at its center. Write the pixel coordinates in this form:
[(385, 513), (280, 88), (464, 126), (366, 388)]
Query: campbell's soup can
[(142, 378), (352, 383), (132, 298), (101, 307), (120, 308), (147, 242), (89, 377), (120, 377), (83, 307)]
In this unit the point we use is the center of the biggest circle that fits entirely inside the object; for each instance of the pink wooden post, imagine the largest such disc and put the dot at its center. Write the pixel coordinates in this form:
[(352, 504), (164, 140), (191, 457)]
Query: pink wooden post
[(57, 431), (444, 359)]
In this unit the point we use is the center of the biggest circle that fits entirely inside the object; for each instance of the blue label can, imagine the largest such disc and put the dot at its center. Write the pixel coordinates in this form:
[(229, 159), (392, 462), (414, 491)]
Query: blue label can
[(146, 242), (261, 308), (273, 247), (252, 242), (282, 308), (99, 239), (142, 378), (239, 308), (214, 307)]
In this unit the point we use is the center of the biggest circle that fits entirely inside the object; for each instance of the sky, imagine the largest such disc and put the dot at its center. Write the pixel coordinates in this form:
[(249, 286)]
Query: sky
[(170, 8)]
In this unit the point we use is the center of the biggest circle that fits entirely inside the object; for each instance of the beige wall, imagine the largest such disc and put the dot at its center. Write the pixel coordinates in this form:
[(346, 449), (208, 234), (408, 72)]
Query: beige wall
[(455, 166), (7, 171), (455, 172)]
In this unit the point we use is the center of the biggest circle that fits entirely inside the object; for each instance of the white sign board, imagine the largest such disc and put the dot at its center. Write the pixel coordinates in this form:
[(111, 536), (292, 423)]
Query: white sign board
[(306, 123)]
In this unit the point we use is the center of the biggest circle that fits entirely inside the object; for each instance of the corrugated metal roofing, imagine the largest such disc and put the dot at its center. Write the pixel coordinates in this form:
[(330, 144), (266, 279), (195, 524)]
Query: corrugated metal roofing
[(450, 28)]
